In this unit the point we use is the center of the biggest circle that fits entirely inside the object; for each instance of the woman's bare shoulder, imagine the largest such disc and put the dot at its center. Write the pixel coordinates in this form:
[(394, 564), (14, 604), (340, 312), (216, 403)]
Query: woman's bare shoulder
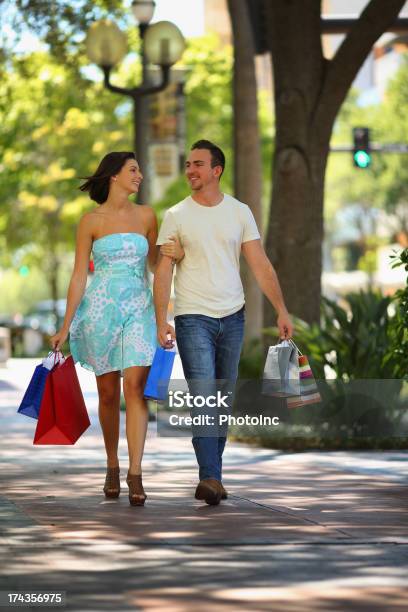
[(148, 216), (146, 211), (98, 210), (89, 219)]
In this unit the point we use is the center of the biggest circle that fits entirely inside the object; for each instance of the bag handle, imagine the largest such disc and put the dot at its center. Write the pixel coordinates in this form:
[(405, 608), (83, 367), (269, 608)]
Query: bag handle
[(294, 346), (171, 349), (58, 356), (290, 341)]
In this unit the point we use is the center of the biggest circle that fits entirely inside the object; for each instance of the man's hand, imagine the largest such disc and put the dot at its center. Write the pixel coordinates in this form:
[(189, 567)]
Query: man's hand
[(163, 332), (285, 325)]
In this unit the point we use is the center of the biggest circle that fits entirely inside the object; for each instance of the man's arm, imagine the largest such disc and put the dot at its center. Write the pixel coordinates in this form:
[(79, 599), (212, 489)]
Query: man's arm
[(161, 292), (268, 282)]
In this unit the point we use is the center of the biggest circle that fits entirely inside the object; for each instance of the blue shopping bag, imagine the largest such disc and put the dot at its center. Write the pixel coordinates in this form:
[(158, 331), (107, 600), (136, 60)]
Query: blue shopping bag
[(158, 380), (30, 405), (31, 402)]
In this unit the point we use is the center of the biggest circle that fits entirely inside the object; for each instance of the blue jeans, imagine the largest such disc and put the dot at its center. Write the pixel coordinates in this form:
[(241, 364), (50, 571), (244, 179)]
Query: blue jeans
[(210, 349)]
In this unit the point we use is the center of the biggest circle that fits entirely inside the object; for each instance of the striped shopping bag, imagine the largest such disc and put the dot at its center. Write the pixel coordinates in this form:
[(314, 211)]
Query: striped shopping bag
[(309, 393)]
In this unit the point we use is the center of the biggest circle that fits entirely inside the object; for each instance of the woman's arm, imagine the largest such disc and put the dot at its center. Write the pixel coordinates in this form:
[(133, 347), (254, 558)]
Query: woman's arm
[(151, 235), (172, 249), (78, 279)]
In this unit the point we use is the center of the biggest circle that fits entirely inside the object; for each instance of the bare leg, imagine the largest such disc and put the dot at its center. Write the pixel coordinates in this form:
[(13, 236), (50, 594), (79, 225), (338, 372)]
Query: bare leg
[(109, 414), (134, 381)]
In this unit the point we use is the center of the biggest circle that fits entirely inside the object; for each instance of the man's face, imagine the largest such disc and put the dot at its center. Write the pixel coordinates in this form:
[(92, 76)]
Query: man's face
[(198, 169)]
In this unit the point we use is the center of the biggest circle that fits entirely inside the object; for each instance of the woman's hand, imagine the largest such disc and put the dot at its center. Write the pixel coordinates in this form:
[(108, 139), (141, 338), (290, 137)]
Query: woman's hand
[(173, 249), (58, 339)]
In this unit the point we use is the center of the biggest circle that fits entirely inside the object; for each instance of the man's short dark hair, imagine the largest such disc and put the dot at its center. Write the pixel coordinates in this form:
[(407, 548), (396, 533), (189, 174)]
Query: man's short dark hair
[(217, 156)]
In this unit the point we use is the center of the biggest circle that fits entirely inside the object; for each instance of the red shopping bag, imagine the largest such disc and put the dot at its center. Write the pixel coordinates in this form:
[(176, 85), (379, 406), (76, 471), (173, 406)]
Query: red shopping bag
[(63, 416)]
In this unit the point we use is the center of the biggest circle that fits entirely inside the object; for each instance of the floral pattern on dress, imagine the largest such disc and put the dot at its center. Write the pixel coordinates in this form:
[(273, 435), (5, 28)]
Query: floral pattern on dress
[(114, 326)]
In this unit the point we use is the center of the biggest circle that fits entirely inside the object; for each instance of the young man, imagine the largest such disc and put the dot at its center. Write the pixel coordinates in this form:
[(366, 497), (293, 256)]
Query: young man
[(213, 228)]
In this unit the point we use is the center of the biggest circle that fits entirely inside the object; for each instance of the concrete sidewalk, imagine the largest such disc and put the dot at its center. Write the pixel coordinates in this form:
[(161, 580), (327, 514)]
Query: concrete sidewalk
[(309, 531)]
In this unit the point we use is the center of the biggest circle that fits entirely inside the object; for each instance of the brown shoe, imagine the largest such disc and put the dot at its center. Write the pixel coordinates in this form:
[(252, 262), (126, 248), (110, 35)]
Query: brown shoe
[(210, 490), (224, 494), (112, 482), (137, 496)]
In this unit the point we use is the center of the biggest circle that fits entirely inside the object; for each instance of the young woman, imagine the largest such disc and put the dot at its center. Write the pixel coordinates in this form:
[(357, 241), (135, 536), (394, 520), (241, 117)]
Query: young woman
[(111, 324)]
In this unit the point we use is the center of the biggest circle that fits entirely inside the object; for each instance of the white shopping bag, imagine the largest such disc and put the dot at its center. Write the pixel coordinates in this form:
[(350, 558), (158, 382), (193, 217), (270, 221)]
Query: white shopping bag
[(281, 373), (53, 358)]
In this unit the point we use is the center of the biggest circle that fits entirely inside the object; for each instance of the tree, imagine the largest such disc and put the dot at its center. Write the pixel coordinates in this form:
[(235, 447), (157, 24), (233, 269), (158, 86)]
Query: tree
[(247, 145), (60, 23), (207, 74), (392, 126), (309, 90), (55, 127)]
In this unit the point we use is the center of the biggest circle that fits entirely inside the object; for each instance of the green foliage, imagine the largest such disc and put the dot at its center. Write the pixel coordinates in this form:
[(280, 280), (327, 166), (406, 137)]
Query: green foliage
[(401, 259), (61, 24), (208, 82), (364, 406), (252, 360), (20, 294), (358, 343), (208, 89), (353, 341), (399, 351), (56, 125)]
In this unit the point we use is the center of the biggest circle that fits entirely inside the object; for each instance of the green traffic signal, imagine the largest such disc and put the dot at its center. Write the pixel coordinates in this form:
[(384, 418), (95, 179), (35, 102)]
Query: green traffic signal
[(362, 159), (24, 271), (361, 147)]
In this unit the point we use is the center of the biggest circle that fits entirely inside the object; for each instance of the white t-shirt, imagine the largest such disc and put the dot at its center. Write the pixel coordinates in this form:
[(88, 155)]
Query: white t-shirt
[(207, 280)]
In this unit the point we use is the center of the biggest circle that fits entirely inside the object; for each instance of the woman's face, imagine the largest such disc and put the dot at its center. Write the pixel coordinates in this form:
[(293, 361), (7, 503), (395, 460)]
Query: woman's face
[(129, 177)]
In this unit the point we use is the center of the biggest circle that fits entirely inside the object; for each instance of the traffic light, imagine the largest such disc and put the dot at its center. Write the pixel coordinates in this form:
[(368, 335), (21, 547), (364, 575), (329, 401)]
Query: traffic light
[(361, 147), (24, 270)]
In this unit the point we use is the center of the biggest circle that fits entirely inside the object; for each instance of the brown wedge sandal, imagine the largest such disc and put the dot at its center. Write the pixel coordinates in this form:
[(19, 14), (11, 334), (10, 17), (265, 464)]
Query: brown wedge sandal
[(112, 483), (137, 496)]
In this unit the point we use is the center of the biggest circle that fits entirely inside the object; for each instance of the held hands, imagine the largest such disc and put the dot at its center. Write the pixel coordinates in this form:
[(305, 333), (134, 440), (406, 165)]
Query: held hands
[(58, 339), (166, 335), (285, 325), (173, 249)]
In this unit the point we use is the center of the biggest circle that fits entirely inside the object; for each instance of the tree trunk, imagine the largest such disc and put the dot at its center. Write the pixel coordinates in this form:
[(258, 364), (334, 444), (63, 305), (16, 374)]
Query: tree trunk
[(53, 277), (53, 263), (295, 231), (309, 91), (247, 148)]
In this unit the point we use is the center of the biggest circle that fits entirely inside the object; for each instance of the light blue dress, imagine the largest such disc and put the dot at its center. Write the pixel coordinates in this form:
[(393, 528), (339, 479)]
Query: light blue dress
[(114, 326)]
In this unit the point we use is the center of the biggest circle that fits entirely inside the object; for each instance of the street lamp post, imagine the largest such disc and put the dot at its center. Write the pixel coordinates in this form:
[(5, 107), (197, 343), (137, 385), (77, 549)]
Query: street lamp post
[(162, 44)]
